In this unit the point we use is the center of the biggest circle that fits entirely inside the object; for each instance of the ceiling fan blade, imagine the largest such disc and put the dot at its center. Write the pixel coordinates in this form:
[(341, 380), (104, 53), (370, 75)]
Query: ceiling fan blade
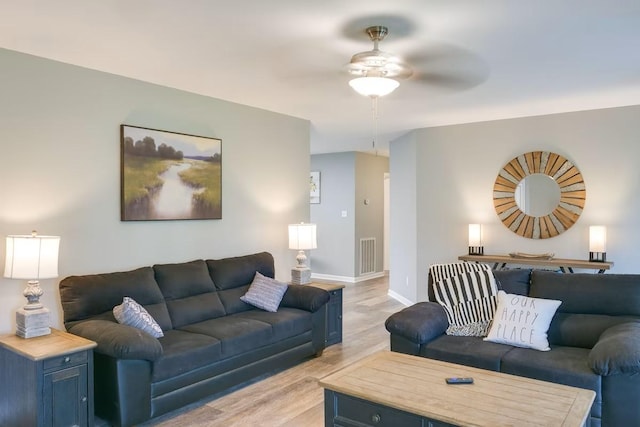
[(449, 66), (462, 81)]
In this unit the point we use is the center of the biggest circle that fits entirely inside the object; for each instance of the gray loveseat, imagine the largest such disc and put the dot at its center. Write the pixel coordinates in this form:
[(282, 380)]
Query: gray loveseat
[(212, 340), (594, 338)]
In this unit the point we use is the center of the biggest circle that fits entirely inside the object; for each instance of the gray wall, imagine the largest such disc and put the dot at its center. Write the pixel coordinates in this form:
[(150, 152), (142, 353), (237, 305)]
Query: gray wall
[(370, 172), (442, 179), (335, 255), (347, 179), (403, 218), (60, 174)]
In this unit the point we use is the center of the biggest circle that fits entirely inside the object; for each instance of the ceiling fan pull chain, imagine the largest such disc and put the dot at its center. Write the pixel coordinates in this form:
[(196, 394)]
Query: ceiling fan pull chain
[(374, 124)]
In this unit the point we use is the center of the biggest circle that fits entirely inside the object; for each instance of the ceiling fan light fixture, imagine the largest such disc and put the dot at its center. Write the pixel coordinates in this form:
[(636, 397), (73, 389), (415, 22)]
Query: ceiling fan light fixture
[(374, 86)]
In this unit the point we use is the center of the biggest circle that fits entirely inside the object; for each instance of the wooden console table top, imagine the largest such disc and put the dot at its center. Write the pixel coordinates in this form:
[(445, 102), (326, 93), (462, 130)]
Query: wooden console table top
[(501, 260), (417, 385)]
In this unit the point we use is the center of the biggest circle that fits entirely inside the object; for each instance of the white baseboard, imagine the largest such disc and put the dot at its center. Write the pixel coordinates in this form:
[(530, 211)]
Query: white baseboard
[(400, 298), (347, 279)]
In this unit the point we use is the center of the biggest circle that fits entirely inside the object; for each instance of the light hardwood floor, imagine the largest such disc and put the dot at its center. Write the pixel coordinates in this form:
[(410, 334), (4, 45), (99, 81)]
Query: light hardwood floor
[(292, 398)]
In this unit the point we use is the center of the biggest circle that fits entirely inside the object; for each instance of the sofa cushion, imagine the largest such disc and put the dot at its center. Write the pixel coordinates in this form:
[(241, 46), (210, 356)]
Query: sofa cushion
[(236, 334), (522, 321), (189, 292), (471, 351), (286, 323), (231, 300), (118, 341), (265, 293), (419, 323), (184, 352), (233, 272), (582, 330), (87, 296), (562, 365), (600, 295), (305, 297), (617, 351), (513, 281), (584, 293), (133, 314)]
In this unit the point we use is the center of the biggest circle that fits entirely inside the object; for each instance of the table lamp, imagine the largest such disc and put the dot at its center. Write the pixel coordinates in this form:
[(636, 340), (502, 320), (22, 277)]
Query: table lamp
[(32, 257), (301, 237), (475, 240), (598, 243)]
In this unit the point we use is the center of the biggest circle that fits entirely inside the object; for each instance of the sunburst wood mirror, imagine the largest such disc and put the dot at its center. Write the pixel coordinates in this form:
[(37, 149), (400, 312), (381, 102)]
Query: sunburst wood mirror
[(539, 195)]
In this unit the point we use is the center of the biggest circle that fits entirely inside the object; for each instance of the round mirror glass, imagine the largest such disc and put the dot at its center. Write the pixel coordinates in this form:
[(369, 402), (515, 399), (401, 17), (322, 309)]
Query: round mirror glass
[(537, 194)]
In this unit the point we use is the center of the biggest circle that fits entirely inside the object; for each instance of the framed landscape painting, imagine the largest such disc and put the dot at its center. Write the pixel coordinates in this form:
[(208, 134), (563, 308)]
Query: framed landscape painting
[(169, 176)]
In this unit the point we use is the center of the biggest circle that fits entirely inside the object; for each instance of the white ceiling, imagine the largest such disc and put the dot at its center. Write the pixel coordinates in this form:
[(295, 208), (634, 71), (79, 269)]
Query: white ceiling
[(475, 60)]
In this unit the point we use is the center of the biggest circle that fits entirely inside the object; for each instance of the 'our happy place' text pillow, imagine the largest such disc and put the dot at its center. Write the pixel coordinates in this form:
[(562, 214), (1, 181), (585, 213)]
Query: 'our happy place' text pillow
[(522, 321)]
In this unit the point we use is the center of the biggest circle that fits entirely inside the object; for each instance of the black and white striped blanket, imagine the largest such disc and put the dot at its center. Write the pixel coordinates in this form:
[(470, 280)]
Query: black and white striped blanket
[(468, 293)]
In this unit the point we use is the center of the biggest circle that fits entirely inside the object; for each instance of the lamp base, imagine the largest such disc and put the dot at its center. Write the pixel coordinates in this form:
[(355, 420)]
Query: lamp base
[(300, 276), (32, 323), (476, 250)]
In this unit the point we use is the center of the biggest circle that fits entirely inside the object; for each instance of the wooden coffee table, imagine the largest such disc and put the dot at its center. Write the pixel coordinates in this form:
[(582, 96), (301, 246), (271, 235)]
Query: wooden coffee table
[(395, 389)]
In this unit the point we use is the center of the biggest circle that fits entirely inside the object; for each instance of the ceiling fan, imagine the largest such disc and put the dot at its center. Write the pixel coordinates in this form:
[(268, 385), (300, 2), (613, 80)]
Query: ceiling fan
[(375, 71), (376, 62), (436, 64)]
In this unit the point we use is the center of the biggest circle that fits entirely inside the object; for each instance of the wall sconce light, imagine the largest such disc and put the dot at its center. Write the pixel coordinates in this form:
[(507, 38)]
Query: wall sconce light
[(475, 240), (302, 237), (32, 257), (598, 243)]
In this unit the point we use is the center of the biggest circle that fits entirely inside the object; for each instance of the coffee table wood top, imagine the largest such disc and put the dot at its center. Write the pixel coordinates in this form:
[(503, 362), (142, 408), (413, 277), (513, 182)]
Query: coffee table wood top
[(417, 385)]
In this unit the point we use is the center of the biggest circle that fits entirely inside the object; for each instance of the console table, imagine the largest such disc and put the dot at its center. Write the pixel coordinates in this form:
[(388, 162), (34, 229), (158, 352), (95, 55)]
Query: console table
[(565, 265)]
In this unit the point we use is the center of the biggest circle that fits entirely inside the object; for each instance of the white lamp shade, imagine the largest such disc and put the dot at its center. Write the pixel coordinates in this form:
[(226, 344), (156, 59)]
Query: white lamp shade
[(597, 238), (31, 257), (475, 235), (302, 236), (373, 86)]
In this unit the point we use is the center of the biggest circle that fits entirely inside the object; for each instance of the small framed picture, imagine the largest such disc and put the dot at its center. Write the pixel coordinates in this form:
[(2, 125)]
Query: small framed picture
[(314, 187)]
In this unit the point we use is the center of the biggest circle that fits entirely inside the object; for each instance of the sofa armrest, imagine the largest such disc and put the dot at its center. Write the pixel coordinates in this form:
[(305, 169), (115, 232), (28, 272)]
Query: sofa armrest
[(305, 297), (617, 350), (119, 341), (420, 323)]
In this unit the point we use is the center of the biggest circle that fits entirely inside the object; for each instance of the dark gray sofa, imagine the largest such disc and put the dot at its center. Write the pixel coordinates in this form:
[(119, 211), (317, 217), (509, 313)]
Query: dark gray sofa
[(212, 340), (594, 338)]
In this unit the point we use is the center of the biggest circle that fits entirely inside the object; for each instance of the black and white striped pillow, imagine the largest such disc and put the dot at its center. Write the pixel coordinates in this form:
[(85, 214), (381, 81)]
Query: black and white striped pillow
[(469, 297)]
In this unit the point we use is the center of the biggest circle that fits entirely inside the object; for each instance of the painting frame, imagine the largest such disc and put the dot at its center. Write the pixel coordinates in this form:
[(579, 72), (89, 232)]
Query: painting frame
[(314, 187), (166, 176)]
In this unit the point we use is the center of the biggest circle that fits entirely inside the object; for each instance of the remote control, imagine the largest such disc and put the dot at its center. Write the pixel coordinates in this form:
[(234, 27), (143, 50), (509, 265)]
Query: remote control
[(459, 380)]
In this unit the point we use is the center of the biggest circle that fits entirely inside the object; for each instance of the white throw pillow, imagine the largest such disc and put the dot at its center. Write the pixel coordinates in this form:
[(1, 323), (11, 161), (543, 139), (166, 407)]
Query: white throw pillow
[(133, 314), (265, 293), (522, 321)]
